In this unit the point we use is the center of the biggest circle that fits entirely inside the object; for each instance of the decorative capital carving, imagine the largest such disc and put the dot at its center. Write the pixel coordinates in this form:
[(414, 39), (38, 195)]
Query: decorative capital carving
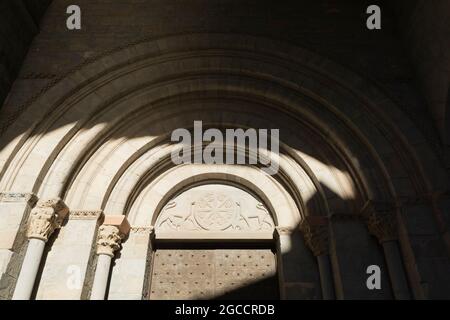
[(46, 217), (381, 223), (109, 239), (111, 233), (315, 233)]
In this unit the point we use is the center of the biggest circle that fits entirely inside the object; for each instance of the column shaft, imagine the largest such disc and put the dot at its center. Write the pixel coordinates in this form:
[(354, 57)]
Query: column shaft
[(315, 232), (382, 223), (101, 277), (284, 246), (45, 218), (326, 277), (30, 267), (109, 238), (396, 270)]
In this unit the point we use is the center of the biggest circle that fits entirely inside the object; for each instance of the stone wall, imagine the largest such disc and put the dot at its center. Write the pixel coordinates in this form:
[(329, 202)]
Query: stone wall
[(425, 26), (334, 29), (19, 23)]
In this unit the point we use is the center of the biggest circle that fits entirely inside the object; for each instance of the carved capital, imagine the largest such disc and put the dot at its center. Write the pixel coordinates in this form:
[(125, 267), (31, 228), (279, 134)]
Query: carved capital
[(315, 233), (46, 217), (381, 223), (111, 233), (108, 240)]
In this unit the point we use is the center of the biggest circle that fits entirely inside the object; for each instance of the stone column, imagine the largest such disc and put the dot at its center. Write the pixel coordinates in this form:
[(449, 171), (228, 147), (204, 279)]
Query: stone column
[(382, 224), (131, 275), (315, 232), (45, 218), (13, 208), (284, 245), (110, 235)]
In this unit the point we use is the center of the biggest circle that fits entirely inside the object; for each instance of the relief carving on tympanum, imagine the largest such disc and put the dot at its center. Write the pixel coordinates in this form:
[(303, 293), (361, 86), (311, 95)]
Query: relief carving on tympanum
[(214, 211)]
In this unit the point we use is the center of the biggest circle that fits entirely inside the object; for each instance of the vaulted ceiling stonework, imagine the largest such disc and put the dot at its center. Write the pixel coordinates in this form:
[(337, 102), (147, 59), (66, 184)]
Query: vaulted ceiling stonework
[(93, 206)]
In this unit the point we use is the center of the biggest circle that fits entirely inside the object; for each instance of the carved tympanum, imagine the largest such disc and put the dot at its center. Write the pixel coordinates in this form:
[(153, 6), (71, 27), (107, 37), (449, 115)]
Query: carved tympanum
[(214, 211)]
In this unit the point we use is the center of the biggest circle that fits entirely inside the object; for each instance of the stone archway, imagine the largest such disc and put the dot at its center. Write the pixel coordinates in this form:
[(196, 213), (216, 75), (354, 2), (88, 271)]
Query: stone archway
[(98, 139), (230, 251), (254, 195)]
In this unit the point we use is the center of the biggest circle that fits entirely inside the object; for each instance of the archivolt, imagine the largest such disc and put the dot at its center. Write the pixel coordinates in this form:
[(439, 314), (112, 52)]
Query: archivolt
[(93, 135)]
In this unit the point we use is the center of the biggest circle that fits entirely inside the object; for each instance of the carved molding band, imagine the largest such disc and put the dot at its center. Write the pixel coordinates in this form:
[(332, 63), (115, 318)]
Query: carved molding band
[(86, 215), (344, 216), (284, 230), (214, 211), (144, 230), (315, 233), (46, 217), (18, 197), (109, 239)]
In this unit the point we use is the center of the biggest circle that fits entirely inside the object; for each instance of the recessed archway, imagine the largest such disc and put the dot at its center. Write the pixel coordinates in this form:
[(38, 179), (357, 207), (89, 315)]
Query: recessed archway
[(99, 137)]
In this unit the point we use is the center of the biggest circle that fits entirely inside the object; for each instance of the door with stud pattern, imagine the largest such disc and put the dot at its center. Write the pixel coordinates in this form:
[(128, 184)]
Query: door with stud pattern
[(214, 274)]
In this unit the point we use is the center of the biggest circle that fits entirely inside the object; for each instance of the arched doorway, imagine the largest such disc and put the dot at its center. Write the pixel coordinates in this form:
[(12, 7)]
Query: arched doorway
[(101, 143), (214, 241)]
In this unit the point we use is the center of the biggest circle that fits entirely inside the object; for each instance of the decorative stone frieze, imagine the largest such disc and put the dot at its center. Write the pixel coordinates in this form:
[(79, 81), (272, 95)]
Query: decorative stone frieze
[(45, 218), (86, 215), (142, 230), (212, 212), (336, 216), (315, 233), (283, 230), (18, 197)]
